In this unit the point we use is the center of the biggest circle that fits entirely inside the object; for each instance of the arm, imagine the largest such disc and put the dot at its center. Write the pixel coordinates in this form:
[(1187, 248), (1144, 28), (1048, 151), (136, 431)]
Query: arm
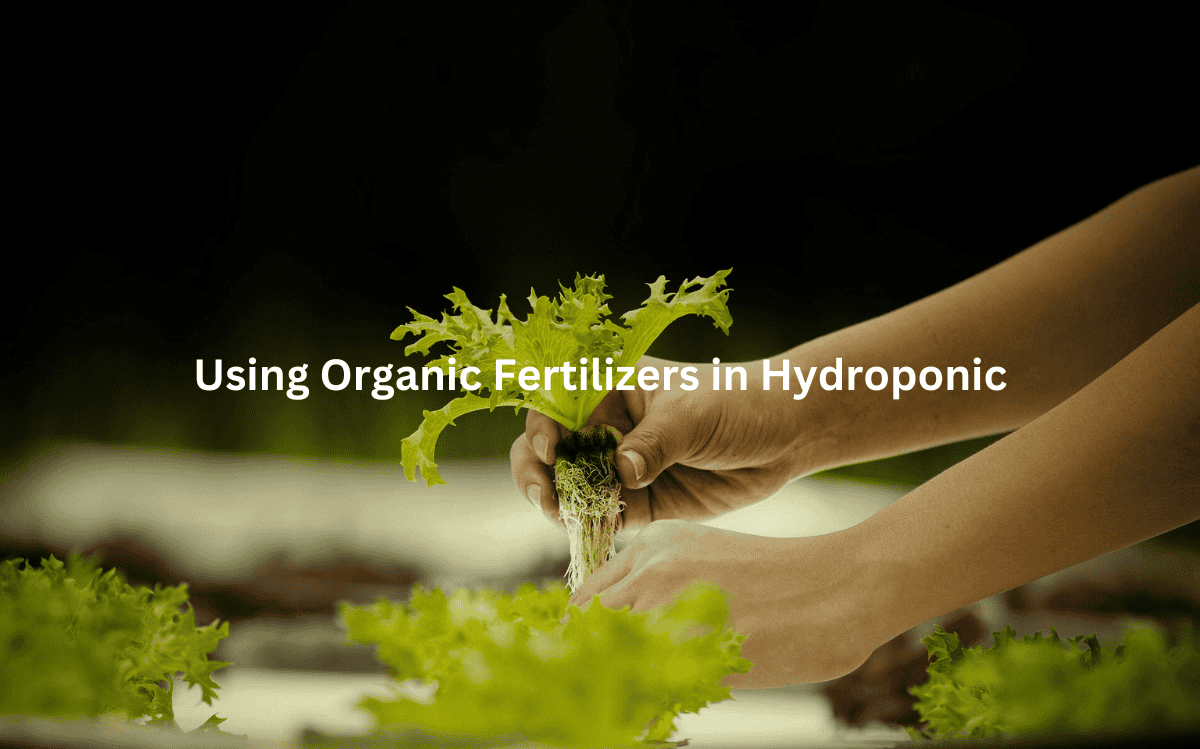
[(1117, 462), (1114, 464), (1055, 316)]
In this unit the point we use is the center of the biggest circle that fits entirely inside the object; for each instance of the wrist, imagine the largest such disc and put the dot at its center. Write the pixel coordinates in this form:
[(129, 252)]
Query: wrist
[(810, 426), (830, 618), (880, 589)]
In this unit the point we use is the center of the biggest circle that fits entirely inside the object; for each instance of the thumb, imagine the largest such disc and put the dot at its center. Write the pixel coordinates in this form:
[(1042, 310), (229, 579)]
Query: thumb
[(659, 441)]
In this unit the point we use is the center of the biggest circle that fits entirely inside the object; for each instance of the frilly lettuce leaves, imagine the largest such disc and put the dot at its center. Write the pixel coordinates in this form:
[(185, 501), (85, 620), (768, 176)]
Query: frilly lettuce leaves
[(79, 641), (1050, 685), (573, 327), (501, 664)]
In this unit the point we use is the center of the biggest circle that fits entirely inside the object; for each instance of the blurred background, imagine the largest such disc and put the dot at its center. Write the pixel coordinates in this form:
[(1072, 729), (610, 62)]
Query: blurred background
[(283, 181)]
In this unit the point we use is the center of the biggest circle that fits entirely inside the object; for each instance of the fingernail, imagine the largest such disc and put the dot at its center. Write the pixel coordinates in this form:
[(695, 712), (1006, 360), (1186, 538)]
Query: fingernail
[(534, 495), (639, 465), (540, 446)]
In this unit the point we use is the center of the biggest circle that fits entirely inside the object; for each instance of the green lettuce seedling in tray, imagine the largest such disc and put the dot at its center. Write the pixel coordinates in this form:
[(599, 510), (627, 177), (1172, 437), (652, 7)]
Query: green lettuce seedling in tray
[(1047, 685), (524, 665), (79, 641)]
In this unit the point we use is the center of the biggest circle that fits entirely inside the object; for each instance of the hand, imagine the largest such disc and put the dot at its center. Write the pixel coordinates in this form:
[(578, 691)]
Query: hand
[(798, 600), (685, 454)]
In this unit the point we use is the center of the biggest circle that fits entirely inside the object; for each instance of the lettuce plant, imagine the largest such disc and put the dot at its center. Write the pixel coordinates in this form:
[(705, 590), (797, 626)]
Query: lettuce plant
[(576, 330), (1042, 684), (79, 641), (526, 665)]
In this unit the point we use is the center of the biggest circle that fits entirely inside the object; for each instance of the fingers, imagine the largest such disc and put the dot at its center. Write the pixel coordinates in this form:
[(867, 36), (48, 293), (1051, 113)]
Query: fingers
[(543, 433), (662, 438), (530, 456), (602, 581), (532, 477)]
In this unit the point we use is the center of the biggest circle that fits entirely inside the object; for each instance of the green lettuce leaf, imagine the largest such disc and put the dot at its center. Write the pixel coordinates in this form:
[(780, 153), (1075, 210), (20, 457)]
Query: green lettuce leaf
[(79, 641), (575, 326), (502, 664), (1040, 684)]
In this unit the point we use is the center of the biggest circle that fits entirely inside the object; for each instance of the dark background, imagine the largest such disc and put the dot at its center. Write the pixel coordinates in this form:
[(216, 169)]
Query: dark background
[(226, 181)]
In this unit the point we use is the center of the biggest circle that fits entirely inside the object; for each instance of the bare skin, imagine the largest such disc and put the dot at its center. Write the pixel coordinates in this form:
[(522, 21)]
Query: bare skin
[(1098, 329)]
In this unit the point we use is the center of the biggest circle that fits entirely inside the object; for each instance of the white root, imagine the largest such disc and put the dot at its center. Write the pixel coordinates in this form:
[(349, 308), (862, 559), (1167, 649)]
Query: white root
[(589, 505)]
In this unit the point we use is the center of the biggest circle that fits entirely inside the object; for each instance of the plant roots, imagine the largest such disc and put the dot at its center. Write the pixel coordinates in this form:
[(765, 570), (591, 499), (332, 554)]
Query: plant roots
[(589, 497)]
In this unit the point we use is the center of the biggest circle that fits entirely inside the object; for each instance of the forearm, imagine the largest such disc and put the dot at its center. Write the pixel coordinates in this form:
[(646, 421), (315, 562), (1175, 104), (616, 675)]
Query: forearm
[(1054, 317), (1114, 464)]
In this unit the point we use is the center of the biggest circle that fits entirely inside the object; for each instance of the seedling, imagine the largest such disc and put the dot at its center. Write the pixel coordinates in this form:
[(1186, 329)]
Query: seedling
[(78, 641), (1047, 685), (528, 665), (515, 363)]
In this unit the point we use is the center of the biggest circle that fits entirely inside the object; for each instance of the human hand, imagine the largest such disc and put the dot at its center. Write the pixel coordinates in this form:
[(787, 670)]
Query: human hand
[(685, 454), (801, 606)]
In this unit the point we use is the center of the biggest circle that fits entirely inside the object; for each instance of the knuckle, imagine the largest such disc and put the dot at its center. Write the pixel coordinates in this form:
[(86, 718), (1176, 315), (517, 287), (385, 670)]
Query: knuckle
[(519, 447), (651, 445), (520, 456), (516, 459)]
